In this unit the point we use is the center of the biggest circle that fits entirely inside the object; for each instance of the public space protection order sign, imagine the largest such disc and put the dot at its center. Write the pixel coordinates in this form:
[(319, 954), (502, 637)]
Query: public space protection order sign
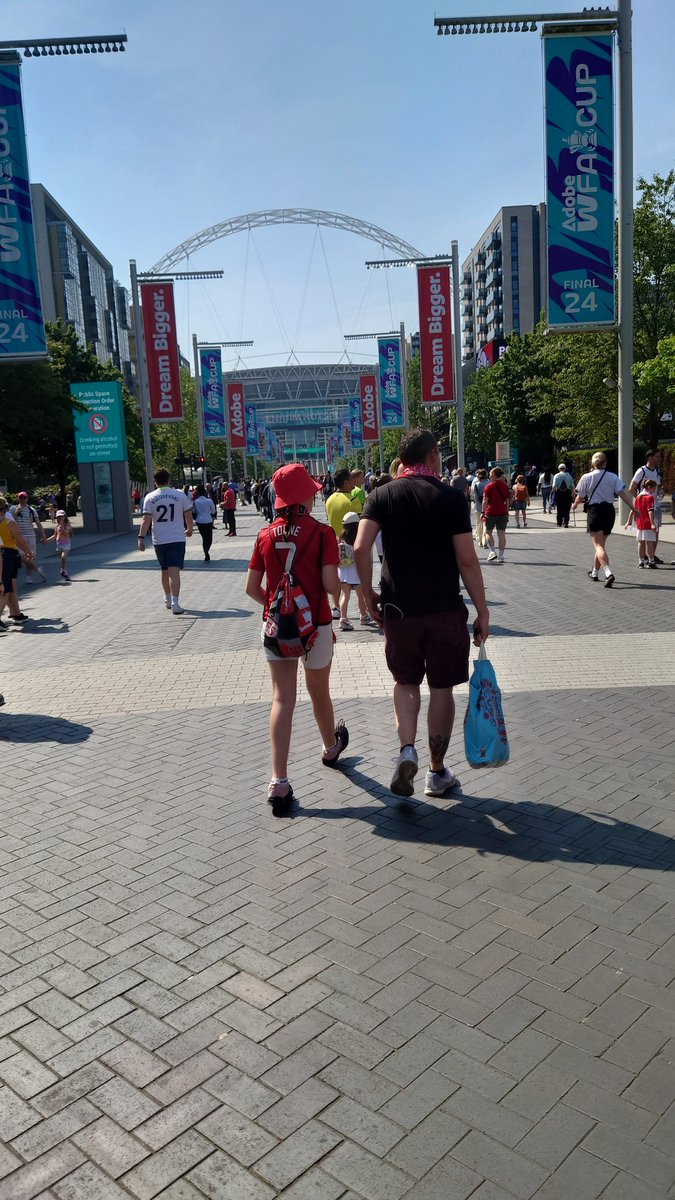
[(100, 434), (579, 103), (22, 331)]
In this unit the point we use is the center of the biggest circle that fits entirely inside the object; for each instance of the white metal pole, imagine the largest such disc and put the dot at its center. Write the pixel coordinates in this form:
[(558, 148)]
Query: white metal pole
[(457, 338), (142, 368), (198, 395), (626, 227)]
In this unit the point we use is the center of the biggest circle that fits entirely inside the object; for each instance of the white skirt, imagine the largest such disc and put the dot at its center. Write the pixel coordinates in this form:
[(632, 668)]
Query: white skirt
[(349, 575)]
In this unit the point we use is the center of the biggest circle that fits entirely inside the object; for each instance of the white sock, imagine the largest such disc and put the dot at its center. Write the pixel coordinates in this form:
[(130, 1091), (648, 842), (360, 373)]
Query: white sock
[(594, 573), (174, 599), (167, 596), (608, 572)]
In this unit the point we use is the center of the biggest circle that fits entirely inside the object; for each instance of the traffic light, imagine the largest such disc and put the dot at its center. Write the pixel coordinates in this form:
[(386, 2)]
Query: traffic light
[(202, 460)]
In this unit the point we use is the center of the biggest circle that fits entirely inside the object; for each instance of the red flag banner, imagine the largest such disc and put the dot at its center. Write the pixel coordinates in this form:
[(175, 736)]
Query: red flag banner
[(435, 302), (161, 348), (235, 411), (371, 425)]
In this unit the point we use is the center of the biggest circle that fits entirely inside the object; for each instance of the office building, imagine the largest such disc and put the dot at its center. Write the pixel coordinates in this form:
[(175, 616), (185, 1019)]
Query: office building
[(78, 285), (503, 285)]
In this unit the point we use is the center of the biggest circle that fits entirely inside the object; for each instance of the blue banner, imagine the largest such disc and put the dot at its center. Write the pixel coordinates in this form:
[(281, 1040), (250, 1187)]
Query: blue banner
[(22, 331), (580, 181), (251, 429), (356, 422), (213, 393), (391, 389)]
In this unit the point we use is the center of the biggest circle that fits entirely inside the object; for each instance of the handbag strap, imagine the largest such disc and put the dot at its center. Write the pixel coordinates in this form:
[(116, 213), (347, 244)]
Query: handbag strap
[(597, 482)]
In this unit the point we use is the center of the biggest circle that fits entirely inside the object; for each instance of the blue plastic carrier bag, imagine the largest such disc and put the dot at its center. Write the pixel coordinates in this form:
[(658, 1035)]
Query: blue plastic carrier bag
[(485, 740)]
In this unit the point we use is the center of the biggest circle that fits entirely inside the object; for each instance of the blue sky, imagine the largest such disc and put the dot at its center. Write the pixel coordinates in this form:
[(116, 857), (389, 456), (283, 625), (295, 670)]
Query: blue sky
[(225, 107)]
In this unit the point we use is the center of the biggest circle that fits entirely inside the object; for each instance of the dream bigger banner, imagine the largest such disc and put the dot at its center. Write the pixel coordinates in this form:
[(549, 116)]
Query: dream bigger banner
[(391, 389), (580, 181), (436, 368), (22, 330), (213, 400), (161, 350)]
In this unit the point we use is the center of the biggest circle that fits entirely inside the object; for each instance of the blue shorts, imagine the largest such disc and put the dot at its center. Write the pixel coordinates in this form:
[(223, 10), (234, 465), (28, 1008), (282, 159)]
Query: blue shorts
[(170, 554)]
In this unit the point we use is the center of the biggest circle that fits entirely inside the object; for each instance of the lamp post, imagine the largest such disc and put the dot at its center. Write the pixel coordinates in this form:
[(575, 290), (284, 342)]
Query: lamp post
[(196, 346), (141, 354), (616, 20)]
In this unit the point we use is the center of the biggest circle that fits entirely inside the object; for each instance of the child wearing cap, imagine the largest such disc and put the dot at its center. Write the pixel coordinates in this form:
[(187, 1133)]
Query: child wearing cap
[(349, 576), (296, 542), (63, 537)]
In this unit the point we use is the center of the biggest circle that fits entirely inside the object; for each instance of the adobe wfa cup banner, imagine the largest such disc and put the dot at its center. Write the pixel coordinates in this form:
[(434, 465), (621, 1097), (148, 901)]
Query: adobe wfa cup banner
[(356, 422), (251, 422), (236, 422), (436, 358), (161, 351), (391, 387), (22, 330), (213, 399), (580, 181), (369, 414)]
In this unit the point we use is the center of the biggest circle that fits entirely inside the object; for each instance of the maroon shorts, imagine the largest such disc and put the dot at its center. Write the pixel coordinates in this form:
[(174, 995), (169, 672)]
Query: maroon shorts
[(436, 645)]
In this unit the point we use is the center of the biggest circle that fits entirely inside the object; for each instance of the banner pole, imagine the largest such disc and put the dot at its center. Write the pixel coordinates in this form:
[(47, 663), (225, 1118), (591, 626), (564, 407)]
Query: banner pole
[(457, 338), (142, 368), (626, 234)]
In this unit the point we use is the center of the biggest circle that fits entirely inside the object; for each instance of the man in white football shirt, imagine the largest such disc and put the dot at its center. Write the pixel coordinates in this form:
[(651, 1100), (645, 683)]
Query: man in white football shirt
[(169, 511)]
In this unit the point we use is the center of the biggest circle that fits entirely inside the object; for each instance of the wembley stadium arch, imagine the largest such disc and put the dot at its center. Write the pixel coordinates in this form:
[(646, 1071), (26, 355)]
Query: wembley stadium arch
[(302, 403)]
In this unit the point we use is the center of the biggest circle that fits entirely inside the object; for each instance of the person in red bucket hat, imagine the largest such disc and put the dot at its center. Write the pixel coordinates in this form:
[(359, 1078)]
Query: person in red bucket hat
[(297, 543)]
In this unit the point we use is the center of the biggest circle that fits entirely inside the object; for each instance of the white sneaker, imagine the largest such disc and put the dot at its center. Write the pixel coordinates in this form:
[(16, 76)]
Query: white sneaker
[(492, 556), (437, 783), (336, 614), (501, 558), (29, 579), (177, 610), (404, 772), (167, 602)]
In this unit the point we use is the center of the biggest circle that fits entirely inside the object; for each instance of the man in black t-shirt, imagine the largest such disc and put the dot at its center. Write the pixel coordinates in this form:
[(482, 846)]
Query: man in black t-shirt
[(428, 545)]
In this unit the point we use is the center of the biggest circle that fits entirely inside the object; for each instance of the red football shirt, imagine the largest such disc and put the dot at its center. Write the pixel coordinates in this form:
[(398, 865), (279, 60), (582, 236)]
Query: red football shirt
[(496, 498), (644, 505), (309, 547)]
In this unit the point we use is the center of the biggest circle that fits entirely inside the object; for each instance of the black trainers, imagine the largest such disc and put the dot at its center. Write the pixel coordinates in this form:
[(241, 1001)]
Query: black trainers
[(279, 799), (609, 581), (341, 741), (593, 577), (20, 617), (659, 561)]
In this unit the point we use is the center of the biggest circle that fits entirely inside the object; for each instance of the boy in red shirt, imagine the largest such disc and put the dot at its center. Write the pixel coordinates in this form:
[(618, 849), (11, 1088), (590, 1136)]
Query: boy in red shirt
[(645, 523)]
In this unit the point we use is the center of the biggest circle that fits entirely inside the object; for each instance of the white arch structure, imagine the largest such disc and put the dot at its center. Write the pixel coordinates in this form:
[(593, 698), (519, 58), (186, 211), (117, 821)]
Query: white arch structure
[(285, 216)]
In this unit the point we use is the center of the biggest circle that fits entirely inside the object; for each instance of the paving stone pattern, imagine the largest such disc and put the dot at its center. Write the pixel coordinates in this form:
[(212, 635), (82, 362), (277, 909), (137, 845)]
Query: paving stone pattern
[(368, 1000)]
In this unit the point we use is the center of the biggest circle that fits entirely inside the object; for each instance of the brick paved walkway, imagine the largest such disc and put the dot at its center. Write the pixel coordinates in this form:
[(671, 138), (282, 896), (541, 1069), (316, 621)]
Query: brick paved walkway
[(368, 1001)]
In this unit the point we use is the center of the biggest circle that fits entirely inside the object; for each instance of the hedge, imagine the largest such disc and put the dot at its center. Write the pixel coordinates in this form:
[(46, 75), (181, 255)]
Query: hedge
[(580, 461)]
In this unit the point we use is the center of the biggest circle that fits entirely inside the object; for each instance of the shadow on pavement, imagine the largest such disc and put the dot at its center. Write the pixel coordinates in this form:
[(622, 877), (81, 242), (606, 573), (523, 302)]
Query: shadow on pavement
[(35, 727), (46, 625), (212, 614), (527, 830)]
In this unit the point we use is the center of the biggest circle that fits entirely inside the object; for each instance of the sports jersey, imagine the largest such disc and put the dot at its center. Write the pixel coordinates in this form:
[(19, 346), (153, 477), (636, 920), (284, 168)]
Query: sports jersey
[(643, 473), (358, 499), (496, 498), (307, 548), (337, 506), (166, 506), (644, 504)]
